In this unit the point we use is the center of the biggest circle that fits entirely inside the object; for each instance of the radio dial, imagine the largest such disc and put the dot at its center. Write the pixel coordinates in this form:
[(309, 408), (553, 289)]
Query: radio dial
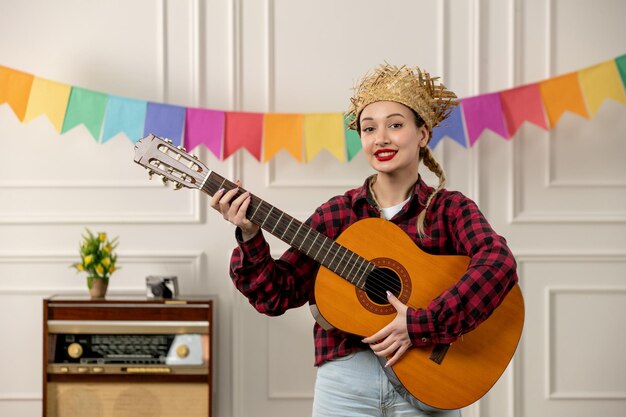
[(182, 351), (75, 350)]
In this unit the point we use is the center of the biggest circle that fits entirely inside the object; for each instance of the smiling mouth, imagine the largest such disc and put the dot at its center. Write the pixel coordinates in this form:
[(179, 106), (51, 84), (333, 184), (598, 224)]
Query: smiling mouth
[(385, 155)]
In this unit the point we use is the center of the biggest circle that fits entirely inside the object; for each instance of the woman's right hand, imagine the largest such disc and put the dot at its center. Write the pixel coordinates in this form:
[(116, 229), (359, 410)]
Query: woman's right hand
[(235, 211)]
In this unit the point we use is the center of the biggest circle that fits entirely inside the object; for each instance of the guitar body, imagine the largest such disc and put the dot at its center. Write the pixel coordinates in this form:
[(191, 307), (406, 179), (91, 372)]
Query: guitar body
[(472, 364)]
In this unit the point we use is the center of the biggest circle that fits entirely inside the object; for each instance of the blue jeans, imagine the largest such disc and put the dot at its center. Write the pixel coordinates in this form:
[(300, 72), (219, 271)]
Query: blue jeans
[(357, 386)]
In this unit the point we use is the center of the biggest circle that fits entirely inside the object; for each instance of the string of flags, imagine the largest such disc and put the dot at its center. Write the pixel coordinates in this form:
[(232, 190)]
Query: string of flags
[(303, 136)]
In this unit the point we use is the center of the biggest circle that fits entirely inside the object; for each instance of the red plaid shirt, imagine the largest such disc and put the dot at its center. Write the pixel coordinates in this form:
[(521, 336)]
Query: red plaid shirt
[(454, 225)]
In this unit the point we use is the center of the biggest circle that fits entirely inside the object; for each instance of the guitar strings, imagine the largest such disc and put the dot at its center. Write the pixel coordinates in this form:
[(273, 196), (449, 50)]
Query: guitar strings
[(379, 281)]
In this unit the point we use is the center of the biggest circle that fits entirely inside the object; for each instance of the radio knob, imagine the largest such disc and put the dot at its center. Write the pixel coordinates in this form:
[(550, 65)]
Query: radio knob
[(75, 350), (182, 351)]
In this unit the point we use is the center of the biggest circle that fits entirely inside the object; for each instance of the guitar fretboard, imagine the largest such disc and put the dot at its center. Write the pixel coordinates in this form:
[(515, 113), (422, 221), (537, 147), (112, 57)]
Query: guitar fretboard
[(297, 234)]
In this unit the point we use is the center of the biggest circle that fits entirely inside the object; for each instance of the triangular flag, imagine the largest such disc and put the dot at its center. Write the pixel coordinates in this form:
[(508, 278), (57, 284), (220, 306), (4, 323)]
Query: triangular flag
[(451, 127), (243, 130), (621, 67), (165, 121), (561, 94), (282, 131), (522, 104), (324, 131), (353, 140), (124, 115), (48, 98), (483, 112), (204, 126), (15, 89), (86, 107), (599, 83)]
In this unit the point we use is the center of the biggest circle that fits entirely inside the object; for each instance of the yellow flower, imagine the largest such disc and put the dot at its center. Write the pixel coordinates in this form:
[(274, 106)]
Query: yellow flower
[(79, 267), (112, 269), (102, 237), (100, 269), (107, 249), (106, 262), (88, 259)]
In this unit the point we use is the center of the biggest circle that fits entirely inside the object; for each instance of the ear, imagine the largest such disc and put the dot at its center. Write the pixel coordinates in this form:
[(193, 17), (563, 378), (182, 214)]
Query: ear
[(424, 136)]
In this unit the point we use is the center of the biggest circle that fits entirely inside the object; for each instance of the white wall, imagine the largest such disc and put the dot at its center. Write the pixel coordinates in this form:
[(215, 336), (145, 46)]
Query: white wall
[(559, 196)]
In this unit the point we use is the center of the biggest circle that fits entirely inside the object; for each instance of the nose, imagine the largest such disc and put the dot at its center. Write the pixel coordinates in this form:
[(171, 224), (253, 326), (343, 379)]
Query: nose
[(381, 137)]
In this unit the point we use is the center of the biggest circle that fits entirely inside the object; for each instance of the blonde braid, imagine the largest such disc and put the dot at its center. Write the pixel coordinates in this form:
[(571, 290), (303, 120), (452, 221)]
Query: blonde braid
[(431, 163)]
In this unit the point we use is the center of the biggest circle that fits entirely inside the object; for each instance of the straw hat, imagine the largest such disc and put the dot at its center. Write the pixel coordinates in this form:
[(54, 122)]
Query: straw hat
[(409, 86)]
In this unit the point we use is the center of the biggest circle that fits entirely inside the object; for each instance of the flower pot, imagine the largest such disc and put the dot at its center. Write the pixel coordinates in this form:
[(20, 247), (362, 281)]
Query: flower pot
[(97, 287)]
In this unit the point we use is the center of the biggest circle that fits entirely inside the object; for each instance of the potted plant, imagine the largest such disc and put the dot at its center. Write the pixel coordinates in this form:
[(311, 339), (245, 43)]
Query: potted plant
[(98, 260)]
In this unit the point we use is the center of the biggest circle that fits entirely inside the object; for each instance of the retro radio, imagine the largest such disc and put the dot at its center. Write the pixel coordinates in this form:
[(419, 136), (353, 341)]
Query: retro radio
[(127, 356)]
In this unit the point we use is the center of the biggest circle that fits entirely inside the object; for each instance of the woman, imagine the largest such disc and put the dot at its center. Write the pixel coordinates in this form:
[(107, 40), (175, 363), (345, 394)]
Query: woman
[(394, 110)]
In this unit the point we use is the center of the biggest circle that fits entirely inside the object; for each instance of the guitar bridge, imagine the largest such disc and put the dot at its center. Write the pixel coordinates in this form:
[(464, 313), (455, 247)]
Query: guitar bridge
[(439, 352)]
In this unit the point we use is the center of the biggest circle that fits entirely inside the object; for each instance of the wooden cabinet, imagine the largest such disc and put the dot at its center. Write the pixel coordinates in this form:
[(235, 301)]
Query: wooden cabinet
[(127, 356)]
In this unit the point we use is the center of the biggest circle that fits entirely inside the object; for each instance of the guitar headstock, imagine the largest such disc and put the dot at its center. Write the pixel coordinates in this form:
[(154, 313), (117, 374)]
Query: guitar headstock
[(159, 156)]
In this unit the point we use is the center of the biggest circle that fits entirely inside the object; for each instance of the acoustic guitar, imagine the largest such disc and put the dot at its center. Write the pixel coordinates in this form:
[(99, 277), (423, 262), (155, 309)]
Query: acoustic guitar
[(370, 257)]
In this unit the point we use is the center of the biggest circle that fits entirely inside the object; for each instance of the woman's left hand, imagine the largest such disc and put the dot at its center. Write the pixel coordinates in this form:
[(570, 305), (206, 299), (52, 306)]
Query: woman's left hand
[(393, 339)]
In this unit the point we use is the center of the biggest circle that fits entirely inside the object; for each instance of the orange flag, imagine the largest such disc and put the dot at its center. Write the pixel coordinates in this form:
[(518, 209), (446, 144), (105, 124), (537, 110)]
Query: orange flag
[(15, 90), (561, 94), (600, 82), (282, 131), (522, 104)]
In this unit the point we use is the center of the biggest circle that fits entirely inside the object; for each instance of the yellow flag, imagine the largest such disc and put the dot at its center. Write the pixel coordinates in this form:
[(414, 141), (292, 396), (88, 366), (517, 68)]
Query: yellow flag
[(600, 82), (282, 131), (324, 131), (49, 98)]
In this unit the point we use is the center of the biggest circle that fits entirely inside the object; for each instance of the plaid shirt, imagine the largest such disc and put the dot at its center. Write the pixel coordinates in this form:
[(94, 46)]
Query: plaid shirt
[(454, 225)]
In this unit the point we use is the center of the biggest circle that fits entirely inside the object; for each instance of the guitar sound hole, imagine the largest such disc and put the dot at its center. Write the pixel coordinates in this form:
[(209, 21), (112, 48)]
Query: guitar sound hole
[(379, 281)]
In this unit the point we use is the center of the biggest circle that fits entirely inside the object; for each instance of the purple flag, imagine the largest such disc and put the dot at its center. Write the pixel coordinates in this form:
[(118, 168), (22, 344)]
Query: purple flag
[(483, 112), (206, 127), (452, 127), (165, 121)]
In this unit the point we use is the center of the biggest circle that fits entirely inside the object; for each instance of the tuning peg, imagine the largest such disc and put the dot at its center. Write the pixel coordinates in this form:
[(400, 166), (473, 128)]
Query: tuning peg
[(150, 173), (194, 156), (181, 148), (165, 180), (178, 186)]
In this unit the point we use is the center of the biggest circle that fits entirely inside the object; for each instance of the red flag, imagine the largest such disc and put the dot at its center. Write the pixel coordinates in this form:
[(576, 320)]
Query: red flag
[(243, 130), (523, 104)]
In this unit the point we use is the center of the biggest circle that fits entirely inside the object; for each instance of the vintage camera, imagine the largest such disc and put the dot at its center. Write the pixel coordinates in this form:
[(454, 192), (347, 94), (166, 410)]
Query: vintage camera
[(161, 287)]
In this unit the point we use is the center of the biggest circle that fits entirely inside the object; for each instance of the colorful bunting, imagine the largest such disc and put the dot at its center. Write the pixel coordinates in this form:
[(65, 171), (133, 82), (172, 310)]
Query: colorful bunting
[(561, 94), (15, 89), (303, 136), (282, 131), (522, 104), (452, 127), (324, 131), (600, 82), (353, 140), (124, 115), (166, 121), (48, 98), (205, 127), (483, 112), (86, 107), (243, 130)]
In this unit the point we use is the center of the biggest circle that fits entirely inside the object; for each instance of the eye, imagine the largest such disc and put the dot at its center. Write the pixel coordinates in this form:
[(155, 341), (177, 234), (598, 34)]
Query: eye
[(395, 125), (367, 129)]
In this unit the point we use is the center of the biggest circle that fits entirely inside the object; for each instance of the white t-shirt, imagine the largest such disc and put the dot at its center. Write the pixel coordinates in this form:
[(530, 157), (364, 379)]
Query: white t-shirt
[(389, 212)]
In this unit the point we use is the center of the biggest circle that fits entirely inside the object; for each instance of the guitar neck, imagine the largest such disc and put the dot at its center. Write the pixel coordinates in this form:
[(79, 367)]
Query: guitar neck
[(298, 235)]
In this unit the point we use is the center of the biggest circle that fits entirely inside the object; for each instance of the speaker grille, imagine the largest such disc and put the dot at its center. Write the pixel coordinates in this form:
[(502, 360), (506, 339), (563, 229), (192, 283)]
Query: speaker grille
[(119, 399)]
